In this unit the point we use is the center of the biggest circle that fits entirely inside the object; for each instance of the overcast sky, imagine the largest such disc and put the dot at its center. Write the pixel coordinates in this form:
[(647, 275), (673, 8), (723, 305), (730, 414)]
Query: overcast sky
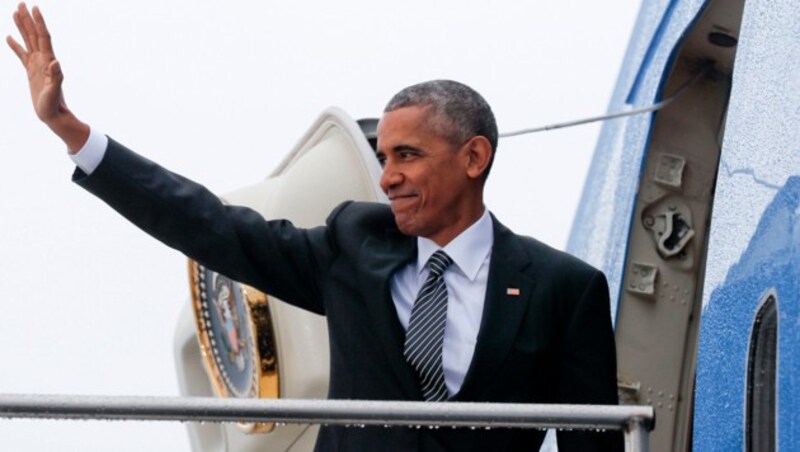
[(220, 91)]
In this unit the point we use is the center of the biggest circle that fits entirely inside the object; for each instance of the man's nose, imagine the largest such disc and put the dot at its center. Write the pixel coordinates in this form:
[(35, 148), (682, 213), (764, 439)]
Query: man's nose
[(390, 177)]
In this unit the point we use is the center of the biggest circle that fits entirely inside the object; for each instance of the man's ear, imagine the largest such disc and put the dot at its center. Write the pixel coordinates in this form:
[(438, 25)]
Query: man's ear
[(479, 152)]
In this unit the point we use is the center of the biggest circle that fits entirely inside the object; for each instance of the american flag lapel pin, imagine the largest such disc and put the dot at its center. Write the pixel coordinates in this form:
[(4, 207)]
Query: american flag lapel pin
[(513, 291)]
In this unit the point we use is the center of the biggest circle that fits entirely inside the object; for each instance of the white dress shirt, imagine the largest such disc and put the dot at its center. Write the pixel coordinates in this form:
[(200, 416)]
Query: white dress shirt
[(465, 279), (92, 152)]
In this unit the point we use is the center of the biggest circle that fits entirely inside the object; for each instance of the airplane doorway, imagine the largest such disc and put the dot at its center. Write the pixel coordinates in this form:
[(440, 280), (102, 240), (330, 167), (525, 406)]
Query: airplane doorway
[(661, 293)]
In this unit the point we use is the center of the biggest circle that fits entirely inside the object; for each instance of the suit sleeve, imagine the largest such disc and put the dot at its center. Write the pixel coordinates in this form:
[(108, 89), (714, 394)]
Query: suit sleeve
[(273, 256), (589, 368)]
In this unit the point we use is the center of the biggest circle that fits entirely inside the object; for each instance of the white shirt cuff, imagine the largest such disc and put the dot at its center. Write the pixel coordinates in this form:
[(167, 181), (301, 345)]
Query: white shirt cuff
[(92, 153)]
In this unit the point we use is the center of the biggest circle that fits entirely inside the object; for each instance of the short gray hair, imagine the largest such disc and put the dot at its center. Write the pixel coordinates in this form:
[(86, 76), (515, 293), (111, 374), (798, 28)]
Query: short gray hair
[(459, 112)]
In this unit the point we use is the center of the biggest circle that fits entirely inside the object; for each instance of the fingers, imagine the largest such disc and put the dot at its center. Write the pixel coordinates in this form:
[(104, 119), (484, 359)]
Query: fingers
[(21, 54), (33, 29), (21, 28), (42, 34), (34, 32), (27, 28)]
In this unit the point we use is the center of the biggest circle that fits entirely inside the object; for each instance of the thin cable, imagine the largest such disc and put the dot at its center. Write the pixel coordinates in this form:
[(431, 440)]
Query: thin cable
[(619, 114)]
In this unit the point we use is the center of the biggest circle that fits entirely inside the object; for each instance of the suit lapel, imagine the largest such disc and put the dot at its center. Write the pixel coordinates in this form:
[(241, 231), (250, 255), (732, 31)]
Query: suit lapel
[(381, 258), (508, 293)]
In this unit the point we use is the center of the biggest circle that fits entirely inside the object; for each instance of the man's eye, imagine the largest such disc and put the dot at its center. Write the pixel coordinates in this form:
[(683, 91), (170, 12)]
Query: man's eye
[(405, 155)]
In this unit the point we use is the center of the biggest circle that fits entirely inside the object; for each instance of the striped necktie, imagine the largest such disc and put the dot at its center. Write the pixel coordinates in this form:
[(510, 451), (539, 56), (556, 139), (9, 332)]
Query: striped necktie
[(425, 335)]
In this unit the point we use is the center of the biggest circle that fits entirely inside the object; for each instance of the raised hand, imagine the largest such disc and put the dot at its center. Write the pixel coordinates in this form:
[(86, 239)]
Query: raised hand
[(45, 77)]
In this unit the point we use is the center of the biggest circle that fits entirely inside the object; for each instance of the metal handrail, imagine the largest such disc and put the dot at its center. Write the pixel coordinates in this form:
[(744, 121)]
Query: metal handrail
[(635, 421)]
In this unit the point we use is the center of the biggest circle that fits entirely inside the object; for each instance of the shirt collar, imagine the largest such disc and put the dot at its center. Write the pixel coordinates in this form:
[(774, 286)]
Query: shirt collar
[(468, 250)]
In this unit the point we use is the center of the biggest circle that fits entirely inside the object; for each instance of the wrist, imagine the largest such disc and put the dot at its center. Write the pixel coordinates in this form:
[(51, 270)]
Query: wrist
[(71, 130)]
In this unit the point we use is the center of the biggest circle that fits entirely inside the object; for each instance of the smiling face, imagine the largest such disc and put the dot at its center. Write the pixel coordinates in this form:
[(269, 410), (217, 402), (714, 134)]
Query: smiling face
[(435, 186)]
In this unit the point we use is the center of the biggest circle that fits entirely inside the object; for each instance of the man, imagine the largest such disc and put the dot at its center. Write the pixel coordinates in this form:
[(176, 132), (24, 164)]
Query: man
[(430, 299)]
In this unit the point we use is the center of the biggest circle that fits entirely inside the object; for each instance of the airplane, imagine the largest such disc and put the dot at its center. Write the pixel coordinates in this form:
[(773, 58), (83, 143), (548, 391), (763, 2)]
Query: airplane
[(691, 211), (700, 196)]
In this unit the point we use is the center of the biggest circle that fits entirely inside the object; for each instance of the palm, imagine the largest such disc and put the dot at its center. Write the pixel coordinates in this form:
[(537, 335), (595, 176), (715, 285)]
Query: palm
[(45, 90)]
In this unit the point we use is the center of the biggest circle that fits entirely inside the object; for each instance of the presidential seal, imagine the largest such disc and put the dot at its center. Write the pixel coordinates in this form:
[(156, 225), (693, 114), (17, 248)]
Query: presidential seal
[(237, 342)]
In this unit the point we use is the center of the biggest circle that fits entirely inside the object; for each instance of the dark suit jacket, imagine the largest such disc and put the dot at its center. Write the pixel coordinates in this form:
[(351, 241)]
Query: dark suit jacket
[(551, 343)]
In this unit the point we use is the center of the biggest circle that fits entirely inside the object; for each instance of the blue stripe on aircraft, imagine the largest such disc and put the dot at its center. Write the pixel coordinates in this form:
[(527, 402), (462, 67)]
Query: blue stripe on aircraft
[(770, 262), (652, 49)]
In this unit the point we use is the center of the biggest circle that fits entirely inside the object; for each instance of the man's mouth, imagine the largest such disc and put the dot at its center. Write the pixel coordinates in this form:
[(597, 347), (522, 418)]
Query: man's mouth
[(399, 200), (394, 197)]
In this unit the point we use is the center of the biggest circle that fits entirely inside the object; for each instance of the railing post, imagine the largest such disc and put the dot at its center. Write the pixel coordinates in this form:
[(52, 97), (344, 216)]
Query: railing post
[(636, 436)]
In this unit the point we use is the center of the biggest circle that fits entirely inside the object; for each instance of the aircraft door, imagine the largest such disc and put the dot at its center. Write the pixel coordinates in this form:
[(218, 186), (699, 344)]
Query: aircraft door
[(661, 292)]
